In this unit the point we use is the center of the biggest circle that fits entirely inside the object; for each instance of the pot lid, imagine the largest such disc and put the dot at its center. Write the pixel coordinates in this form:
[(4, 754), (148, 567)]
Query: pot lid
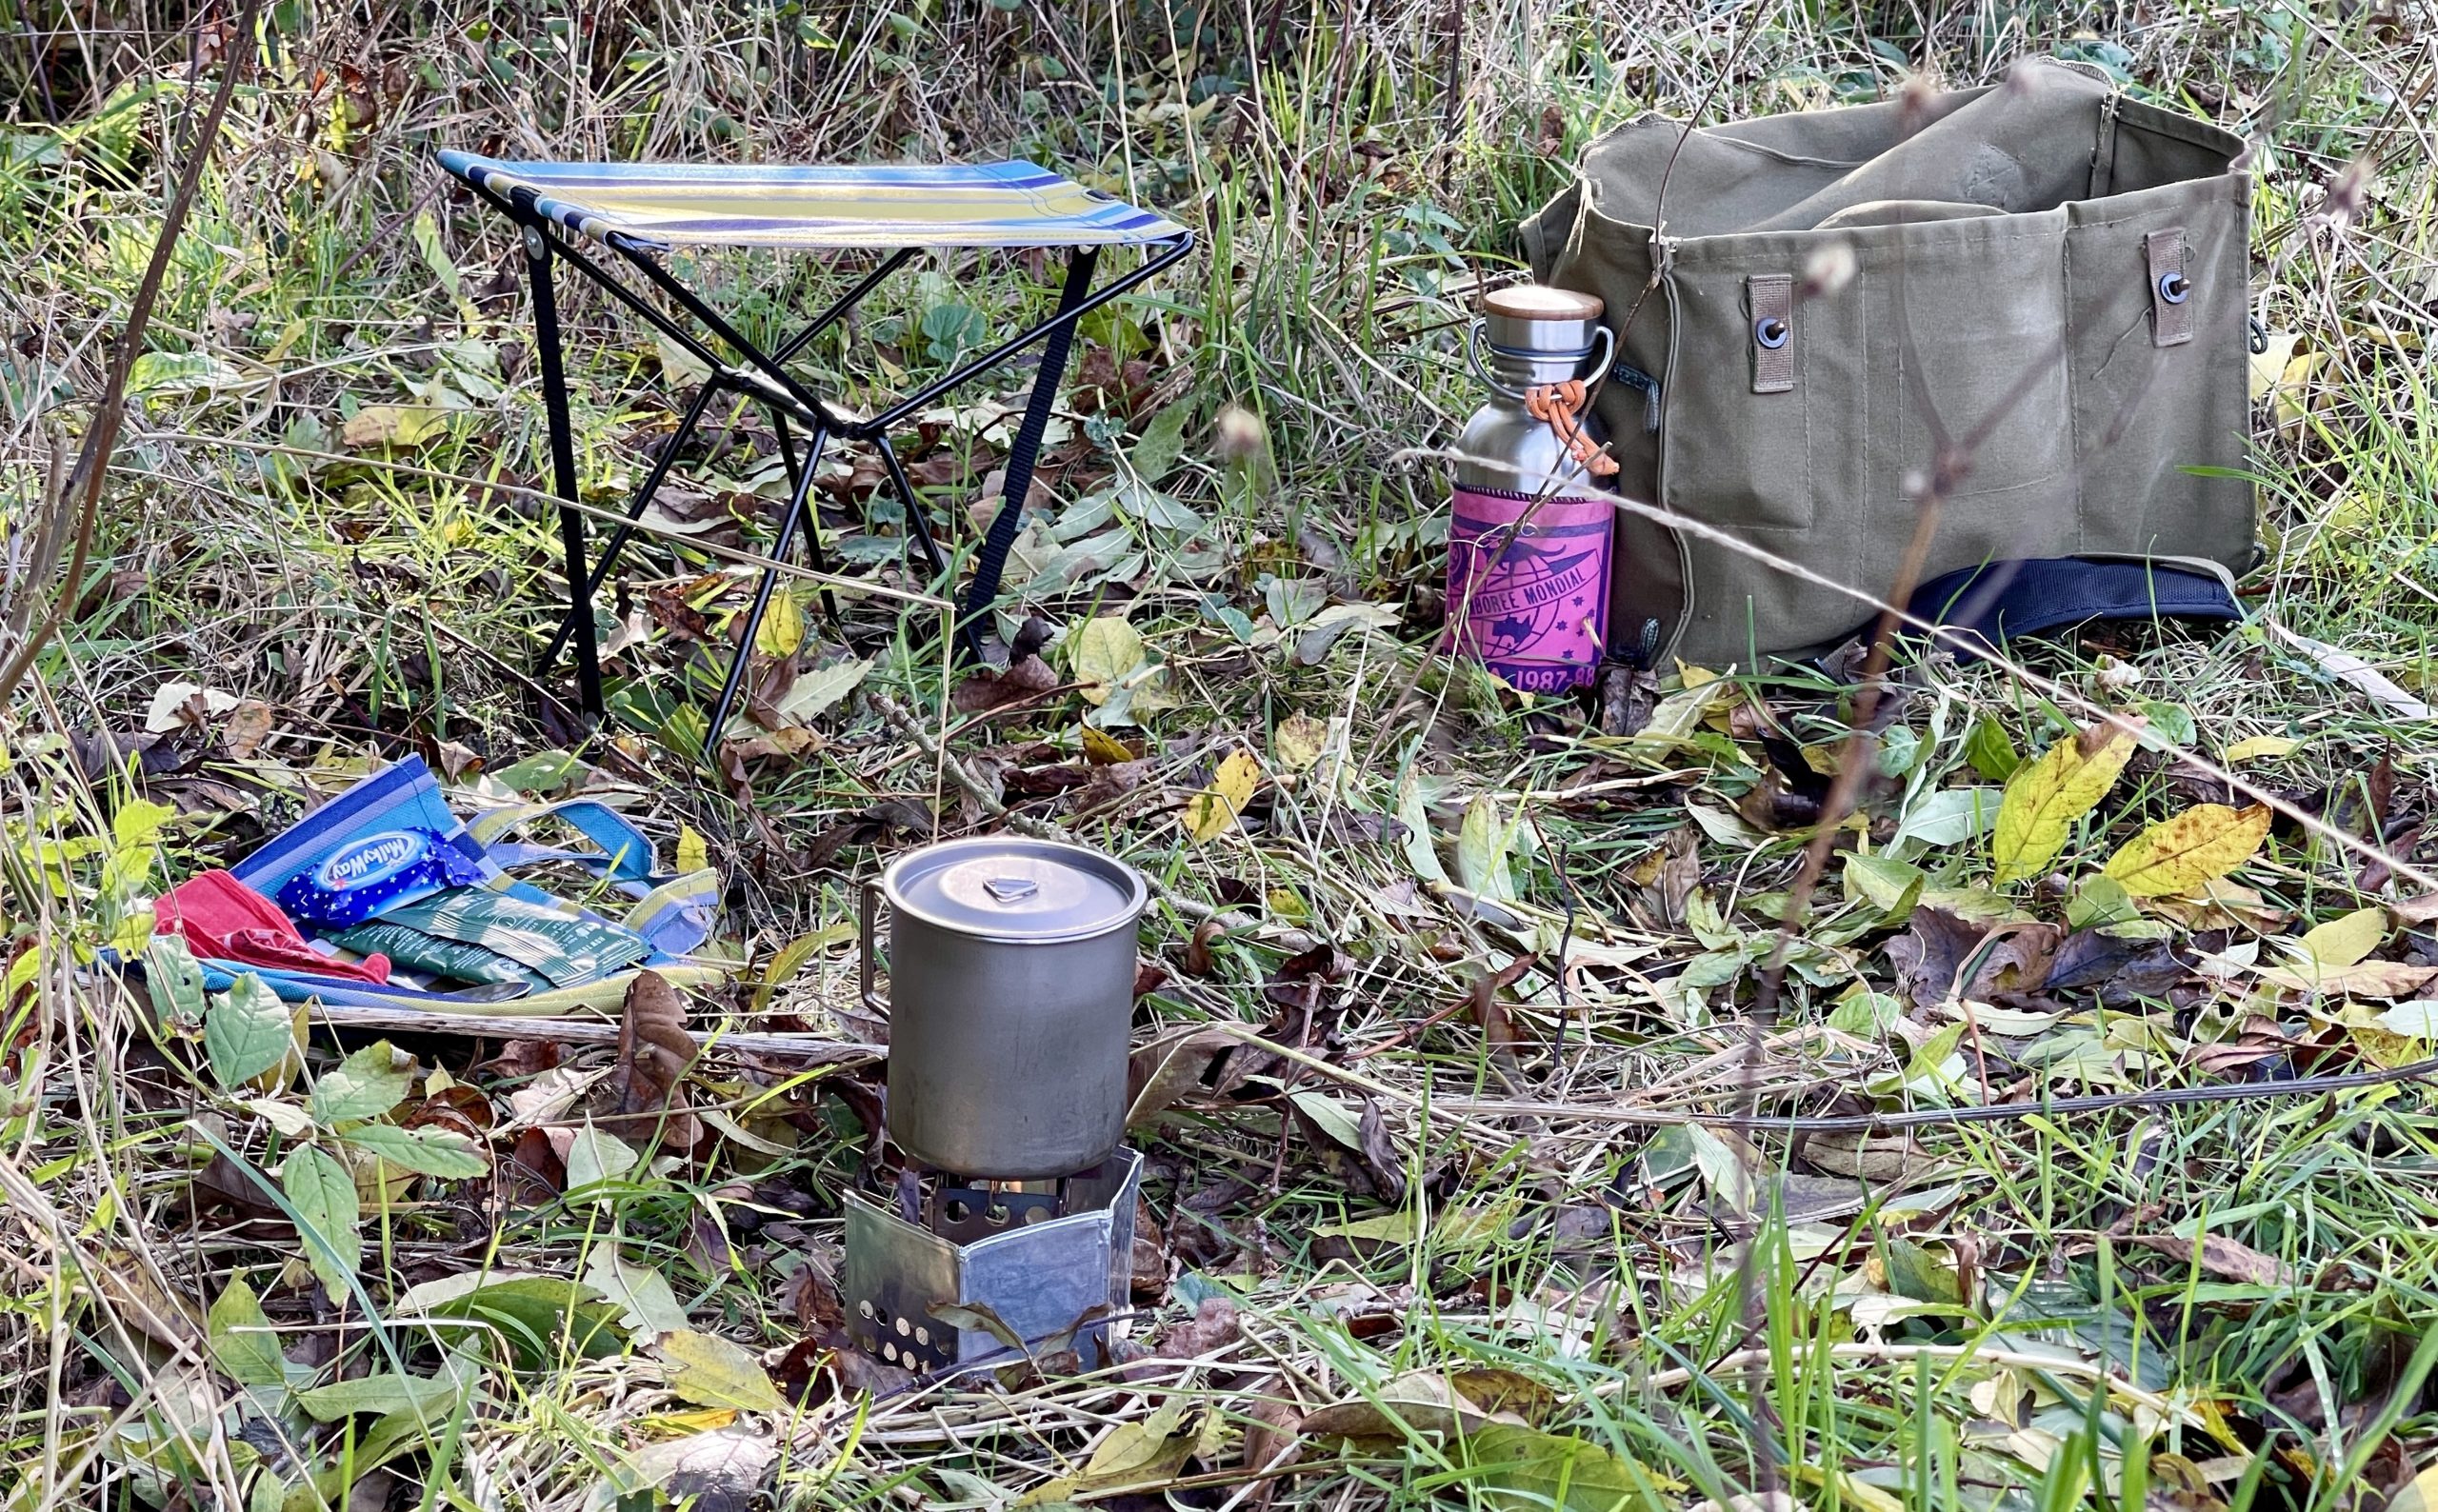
[(1023, 891)]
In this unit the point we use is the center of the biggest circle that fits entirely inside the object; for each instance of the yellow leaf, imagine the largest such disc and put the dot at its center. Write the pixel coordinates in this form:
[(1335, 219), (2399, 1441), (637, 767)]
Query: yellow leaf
[(2293, 388), (2421, 1496), (1104, 749), (1853, 1492), (782, 630), (1299, 741), (1106, 650), (1214, 811), (1142, 1453), (692, 854), (2342, 942), (2363, 978), (2256, 747), (2270, 364), (2197, 846), (713, 1372), (393, 426), (2045, 796)]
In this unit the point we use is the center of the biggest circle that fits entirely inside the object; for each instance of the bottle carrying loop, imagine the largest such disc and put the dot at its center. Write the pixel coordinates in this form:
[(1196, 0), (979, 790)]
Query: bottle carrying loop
[(1603, 341)]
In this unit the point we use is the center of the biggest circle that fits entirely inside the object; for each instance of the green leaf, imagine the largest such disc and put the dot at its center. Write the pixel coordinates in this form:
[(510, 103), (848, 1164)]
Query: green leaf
[(1522, 1467), (1866, 1014), (1163, 441), (324, 1196), (247, 1031), (1991, 750), (1892, 887), (534, 1315), (1482, 841), (650, 1306), (428, 1397), (712, 1372), (1106, 650), (2100, 900), (594, 1156), (242, 1342), (174, 980), (817, 690), (540, 775), (426, 231), (366, 1085), (1914, 1272), (425, 1151)]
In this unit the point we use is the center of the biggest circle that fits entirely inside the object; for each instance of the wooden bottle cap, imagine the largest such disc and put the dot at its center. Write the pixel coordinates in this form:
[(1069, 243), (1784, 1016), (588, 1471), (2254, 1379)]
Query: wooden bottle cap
[(1540, 302)]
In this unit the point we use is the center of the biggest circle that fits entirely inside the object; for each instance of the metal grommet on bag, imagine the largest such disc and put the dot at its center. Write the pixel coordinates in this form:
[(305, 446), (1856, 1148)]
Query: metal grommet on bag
[(1770, 299), (2171, 288)]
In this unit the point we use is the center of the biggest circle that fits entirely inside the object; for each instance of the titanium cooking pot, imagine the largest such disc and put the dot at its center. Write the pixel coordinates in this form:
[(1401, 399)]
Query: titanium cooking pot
[(1012, 992)]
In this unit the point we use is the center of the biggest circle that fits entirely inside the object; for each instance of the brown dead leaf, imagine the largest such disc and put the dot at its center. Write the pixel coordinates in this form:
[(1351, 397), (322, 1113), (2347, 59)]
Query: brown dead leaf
[(532, 1176), (1148, 1266), (644, 1095), (991, 688), (809, 1294), (1165, 1072), (128, 1284), (1212, 1326), (1497, 1028), (1271, 1442), (1418, 1402), (248, 725), (2222, 1257), (1941, 956), (1108, 784), (1198, 961)]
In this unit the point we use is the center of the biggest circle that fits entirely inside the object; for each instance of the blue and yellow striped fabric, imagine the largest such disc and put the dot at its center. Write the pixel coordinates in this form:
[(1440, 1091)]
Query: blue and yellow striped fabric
[(775, 205)]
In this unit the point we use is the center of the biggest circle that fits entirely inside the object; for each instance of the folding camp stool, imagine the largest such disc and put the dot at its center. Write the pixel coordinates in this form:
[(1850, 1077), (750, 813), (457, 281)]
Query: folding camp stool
[(639, 210)]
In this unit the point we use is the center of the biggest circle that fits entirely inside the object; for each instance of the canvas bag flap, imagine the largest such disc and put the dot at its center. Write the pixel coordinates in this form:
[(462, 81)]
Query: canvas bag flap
[(1963, 283)]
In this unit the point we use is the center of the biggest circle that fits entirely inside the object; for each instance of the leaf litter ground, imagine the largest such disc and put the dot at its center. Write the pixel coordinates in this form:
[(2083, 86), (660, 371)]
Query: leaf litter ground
[(1436, 980)]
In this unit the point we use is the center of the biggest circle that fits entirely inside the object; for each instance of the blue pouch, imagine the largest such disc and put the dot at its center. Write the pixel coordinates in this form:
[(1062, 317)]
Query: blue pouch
[(387, 840)]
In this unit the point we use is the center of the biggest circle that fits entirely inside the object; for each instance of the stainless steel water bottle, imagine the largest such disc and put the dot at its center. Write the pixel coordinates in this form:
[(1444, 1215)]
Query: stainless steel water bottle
[(1528, 535)]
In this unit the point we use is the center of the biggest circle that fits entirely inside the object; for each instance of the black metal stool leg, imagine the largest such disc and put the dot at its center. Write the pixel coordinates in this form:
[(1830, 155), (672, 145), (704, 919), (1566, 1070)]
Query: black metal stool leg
[(919, 521), (812, 518), (554, 401), (796, 507), (635, 509)]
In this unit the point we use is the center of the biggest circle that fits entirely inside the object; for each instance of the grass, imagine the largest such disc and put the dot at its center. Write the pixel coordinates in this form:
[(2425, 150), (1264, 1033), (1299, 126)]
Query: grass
[(1987, 1315)]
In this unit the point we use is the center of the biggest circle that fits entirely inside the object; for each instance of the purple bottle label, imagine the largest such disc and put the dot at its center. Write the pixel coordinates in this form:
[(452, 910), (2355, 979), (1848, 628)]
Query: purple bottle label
[(1527, 586)]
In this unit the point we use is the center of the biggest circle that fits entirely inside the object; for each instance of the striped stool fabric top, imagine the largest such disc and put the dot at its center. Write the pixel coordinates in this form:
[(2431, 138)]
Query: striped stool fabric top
[(883, 205)]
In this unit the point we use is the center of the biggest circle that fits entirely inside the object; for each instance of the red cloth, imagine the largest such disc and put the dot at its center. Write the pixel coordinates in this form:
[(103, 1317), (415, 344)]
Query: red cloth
[(225, 920)]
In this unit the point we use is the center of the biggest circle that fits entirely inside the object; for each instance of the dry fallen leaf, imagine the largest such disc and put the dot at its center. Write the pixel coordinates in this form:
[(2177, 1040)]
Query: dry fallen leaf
[(1299, 741), (392, 425), (2045, 796), (1165, 1072), (2222, 1257), (2180, 855), (645, 1093), (1214, 810), (2368, 979), (2349, 939)]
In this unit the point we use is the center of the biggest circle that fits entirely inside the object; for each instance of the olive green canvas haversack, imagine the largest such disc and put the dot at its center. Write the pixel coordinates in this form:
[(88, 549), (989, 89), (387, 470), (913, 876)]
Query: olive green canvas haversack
[(2048, 274)]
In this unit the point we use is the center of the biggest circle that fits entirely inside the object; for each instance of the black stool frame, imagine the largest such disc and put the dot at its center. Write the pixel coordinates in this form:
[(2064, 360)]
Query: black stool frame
[(763, 378)]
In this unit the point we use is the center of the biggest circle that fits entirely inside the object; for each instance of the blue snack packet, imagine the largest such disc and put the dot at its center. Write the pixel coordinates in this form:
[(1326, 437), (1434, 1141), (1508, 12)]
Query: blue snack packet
[(367, 876), (390, 839)]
